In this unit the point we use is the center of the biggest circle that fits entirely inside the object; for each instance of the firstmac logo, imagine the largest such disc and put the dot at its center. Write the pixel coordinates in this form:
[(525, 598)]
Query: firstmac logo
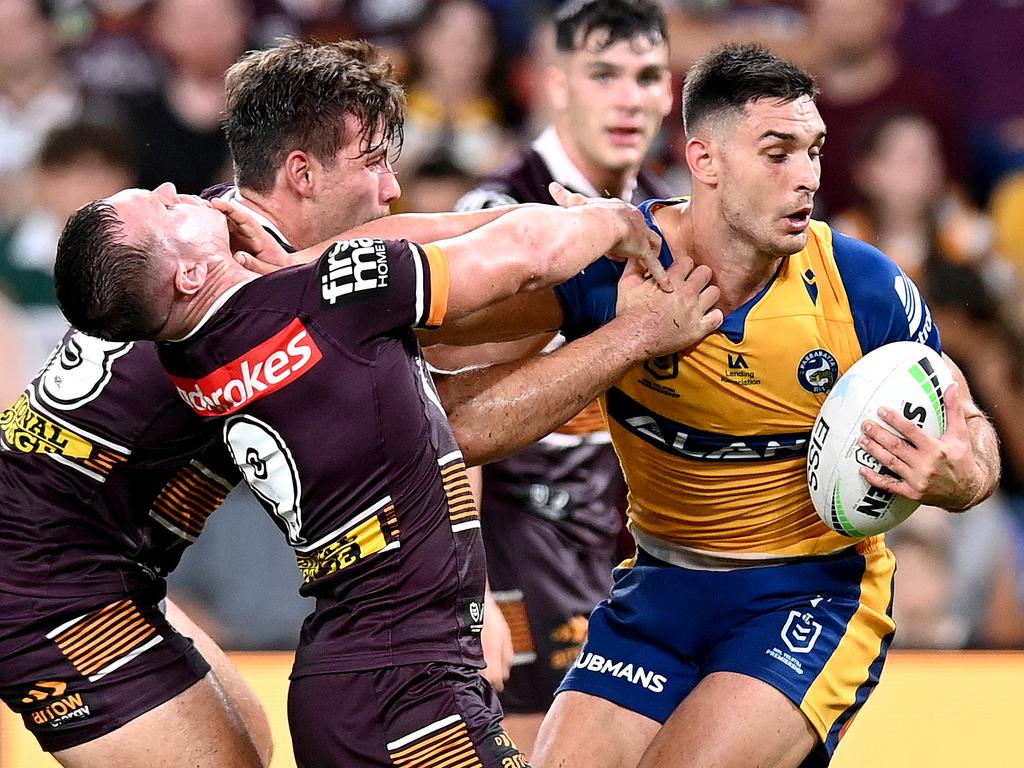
[(261, 371), (351, 266)]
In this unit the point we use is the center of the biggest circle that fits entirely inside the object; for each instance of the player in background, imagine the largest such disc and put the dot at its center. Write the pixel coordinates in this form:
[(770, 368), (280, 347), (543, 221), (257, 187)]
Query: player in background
[(553, 513), (746, 632)]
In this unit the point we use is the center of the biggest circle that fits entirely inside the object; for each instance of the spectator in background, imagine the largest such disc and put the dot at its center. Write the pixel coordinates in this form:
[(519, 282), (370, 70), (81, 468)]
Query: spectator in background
[(697, 26), (434, 186), (77, 163), (851, 47), (178, 126), (974, 46), (911, 210), (35, 96), (457, 90), (905, 201), (108, 51)]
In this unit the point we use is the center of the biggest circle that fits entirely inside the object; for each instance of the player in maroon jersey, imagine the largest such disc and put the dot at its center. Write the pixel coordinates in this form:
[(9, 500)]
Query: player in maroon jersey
[(554, 512), (327, 409)]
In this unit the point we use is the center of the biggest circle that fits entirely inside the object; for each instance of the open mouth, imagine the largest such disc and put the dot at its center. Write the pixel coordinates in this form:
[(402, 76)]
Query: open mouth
[(799, 219), (623, 136)]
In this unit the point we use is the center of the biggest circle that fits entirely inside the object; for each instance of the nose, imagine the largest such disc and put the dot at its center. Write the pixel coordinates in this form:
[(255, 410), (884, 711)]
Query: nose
[(809, 178), (390, 189), (629, 93)]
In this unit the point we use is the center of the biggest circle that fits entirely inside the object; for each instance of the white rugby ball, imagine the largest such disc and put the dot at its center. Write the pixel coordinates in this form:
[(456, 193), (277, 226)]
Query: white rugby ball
[(908, 377)]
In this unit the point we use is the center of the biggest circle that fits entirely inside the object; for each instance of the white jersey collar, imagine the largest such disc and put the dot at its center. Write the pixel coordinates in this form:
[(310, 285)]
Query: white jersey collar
[(234, 194), (553, 153)]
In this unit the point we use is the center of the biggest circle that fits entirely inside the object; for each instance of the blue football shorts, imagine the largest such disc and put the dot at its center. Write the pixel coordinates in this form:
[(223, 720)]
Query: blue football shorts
[(817, 629)]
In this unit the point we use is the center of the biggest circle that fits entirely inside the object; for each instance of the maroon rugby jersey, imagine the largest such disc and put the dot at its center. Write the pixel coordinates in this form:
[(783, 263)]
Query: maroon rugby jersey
[(329, 413), (572, 479), (105, 475)]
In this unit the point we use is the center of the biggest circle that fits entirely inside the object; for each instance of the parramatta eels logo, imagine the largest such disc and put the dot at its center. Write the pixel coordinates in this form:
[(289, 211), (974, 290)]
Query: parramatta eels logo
[(818, 371)]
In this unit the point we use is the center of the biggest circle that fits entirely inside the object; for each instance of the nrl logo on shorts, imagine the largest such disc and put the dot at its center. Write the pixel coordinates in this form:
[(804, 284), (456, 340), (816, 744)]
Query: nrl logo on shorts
[(801, 632), (664, 367)]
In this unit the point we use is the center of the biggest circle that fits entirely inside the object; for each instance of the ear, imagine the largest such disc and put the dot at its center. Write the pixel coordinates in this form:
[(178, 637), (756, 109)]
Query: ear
[(189, 276), (301, 173), (701, 162), (557, 83)]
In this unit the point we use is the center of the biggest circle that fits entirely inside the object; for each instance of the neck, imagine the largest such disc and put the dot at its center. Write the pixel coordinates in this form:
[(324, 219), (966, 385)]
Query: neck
[(284, 213), (220, 280), (740, 270), (608, 182)]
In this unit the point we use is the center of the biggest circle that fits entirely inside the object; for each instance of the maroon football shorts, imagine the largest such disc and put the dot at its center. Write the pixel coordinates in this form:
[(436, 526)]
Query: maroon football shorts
[(77, 668), (429, 715)]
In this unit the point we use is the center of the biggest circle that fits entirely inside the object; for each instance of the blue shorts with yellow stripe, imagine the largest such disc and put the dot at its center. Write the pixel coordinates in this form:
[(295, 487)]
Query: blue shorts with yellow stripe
[(817, 629)]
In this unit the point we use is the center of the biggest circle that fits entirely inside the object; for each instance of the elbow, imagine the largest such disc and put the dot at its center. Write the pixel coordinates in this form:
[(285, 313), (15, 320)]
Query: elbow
[(471, 440)]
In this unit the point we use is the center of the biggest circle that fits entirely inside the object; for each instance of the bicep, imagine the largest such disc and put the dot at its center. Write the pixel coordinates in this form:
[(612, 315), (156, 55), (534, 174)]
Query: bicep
[(518, 317)]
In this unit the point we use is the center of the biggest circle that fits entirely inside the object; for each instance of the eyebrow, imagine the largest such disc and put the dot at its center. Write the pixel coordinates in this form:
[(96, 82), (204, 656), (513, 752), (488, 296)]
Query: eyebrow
[(769, 134)]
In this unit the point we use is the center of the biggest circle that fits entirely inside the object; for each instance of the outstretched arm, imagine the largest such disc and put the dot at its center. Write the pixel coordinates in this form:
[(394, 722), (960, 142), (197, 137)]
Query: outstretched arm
[(498, 410), (258, 251), (955, 471)]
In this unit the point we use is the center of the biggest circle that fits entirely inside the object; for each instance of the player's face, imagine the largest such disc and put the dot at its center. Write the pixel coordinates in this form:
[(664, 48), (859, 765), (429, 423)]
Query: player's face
[(178, 220), (769, 169), (357, 187), (615, 99)]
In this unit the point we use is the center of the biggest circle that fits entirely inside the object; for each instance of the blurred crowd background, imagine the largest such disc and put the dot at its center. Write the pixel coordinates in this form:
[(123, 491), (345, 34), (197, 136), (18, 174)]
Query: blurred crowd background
[(924, 105)]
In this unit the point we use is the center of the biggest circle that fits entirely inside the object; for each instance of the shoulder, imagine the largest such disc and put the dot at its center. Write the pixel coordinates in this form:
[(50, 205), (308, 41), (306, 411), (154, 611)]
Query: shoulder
[(524, 180), (886, 304)]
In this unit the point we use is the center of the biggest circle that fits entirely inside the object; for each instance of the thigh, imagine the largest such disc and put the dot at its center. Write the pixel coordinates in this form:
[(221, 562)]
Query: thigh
[(732, 721), (427, 715), (192, 729), (585, 730), (239, 697)]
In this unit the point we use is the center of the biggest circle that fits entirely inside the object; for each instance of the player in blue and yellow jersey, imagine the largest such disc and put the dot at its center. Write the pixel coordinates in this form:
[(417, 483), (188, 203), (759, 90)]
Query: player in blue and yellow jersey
[(745, 632)]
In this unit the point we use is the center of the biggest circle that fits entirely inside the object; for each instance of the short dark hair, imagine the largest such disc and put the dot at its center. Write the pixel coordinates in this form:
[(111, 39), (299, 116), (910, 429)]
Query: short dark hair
[(101, 282), (731, 76), (73, 142), (577, 20), (296, 95)]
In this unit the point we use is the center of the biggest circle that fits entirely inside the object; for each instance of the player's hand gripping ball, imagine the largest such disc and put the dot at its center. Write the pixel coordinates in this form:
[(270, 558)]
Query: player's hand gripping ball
[(908, 377)]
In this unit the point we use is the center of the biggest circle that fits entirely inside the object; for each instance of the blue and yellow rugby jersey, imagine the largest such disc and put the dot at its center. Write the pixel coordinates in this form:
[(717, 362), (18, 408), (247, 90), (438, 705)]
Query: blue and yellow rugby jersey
[(713, 445)]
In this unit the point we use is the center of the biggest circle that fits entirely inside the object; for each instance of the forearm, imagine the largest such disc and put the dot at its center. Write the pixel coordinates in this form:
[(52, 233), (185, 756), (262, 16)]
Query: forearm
[(987, 466), (501, 409), (416, 227), (430, 227)]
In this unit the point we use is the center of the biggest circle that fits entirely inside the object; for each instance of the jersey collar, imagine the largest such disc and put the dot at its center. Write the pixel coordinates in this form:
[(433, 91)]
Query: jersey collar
[(553, 153)]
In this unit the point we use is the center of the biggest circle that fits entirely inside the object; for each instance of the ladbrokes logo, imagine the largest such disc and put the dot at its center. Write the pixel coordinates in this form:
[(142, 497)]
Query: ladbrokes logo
[(276, 362), (352, 266)]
